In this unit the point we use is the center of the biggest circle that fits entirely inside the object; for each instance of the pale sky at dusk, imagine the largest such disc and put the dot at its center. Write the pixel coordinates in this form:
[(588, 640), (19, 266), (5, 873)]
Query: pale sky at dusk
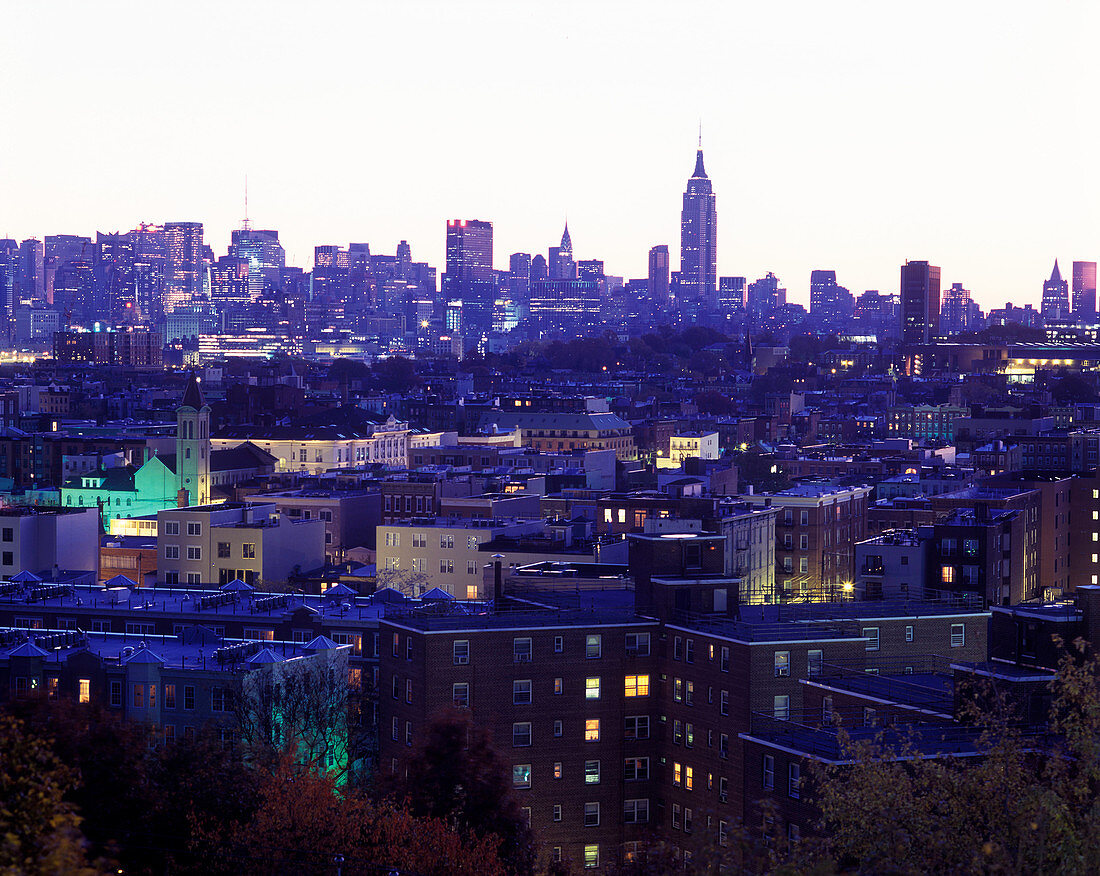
[(838, 135)]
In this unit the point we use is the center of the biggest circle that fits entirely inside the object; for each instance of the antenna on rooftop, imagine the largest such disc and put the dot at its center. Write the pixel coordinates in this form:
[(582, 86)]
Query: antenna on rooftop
[(245, 224)]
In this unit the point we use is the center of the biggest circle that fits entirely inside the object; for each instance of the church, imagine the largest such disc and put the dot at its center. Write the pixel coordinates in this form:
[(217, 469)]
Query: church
[(194, 475)]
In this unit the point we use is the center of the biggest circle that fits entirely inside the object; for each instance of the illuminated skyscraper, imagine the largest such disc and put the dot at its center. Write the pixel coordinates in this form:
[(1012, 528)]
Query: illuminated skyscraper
[(185, 271), (831, 304), (920, 303), (561, 263), (31, 255), (1055, 296), (1084, 292), (469, 277), (266, 258), (699, 241), (658, 275)]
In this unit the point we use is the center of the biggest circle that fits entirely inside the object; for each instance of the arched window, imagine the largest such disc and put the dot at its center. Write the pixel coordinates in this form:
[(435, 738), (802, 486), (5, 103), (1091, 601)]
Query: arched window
[(187, 453)]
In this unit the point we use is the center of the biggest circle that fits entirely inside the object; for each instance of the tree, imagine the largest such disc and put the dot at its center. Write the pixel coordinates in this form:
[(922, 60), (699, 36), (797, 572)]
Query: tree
[(407, 581), (454, 773), (1024, 804), (39, 830), (303, 822), (395, 374)]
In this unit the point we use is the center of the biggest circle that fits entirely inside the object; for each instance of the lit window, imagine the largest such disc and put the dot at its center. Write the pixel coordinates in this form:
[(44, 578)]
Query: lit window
[(592, 646), (592, 688), (689, 778), (782, 664), (637, 685), (591, 772), (677, 774), (521, 775), (947, 573), (84, 693), (592, 730), (591, 856)]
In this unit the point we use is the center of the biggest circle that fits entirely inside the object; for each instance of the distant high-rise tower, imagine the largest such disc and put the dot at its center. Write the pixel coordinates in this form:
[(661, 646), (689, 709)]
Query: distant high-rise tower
[(958, 311), (658, 275), (193, 444), (265, 256), (1055, 296), (561, 263), (920, 303), (31, 255), (184, 269), (699, 240), (470, 277), (831, 305), (1084, 292)]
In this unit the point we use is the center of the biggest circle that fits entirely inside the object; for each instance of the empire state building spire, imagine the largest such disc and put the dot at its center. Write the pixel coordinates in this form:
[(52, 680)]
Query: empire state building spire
[(698, 242)]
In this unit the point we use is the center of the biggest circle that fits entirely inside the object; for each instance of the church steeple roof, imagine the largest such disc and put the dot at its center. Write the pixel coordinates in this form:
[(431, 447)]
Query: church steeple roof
[(566, 241), (1056, 275), (192, 395)]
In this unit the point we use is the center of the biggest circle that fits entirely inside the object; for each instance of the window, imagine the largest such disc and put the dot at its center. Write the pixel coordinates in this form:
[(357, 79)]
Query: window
[(677, 732), (689, 735), (591, 815), (636, 769), (194, 529), (689, 651), (724, 702), (446, 567), (84, 690), (592, 646), (725, 659), (521, 775), (637, 727), (591, 857), (637, 685), (460, 694), (637, 644), (557, 685), (677, 774), (782, 664), (9, 534), (461, 652), (591, 772), (794, 780), (218, 699), (813, 662), (559, 644), (678, 690), (557, 728), (171, 552), (521, 650), (676, 816), (689, 778), (408, 690), (724, 745), (689, 692), (557, 814), (781, 707), (871, 635), (826, 710), (471, 567), (869, 716), (687, 820), (767, 780), (592, 688), (171, 527), (223, 550), (592, 730), (194, 553), (947, 574), (958, 635), (169, 696), (557, 770), (723, 790), (189, 697), (116, 693), (248, 551), (909, 634), (636, 811), (521, 734)]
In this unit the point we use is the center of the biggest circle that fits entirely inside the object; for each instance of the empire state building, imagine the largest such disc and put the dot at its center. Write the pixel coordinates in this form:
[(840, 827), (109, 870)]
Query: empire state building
[(699, 242)]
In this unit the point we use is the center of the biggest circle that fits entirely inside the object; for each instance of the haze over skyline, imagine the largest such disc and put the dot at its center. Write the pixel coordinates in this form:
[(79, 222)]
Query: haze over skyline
[(849, 136)]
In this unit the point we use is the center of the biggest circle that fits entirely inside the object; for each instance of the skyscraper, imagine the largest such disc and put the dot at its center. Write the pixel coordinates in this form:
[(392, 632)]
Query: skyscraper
[(31, 255), (184, 281), (470, 277), (266, 258), (699, 240), (1084, 292), (1055, 296), (658, 275), (958, 311), (920, 303), (831, 305), (561, 263)]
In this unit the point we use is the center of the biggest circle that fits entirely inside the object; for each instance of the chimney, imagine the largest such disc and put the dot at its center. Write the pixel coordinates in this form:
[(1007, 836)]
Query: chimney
[(498, 580)]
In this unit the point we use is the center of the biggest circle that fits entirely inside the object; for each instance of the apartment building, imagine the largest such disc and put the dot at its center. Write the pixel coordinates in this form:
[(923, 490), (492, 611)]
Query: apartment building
[(40, 539), (351, 517), (216, 544), (816, 531)]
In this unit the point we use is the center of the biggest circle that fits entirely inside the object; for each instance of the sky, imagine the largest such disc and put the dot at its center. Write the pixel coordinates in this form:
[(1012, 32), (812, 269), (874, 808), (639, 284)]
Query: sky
[(842, 135)]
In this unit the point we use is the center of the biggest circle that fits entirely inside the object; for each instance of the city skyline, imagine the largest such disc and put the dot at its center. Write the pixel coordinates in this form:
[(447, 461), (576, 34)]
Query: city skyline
[(980, 187)]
